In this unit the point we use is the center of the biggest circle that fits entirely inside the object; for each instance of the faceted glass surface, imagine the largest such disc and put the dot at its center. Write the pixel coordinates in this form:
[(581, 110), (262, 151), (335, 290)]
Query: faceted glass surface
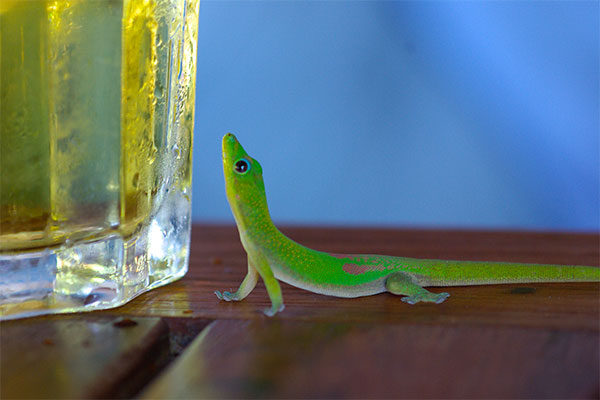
[(97, 110)]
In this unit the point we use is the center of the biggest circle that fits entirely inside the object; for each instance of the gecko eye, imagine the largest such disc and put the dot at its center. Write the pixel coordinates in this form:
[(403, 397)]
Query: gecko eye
[(241, 166)]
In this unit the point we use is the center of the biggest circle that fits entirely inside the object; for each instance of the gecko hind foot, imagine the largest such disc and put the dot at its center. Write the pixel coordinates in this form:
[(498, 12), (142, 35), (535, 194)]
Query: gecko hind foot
[(429, 297), (404, 284)]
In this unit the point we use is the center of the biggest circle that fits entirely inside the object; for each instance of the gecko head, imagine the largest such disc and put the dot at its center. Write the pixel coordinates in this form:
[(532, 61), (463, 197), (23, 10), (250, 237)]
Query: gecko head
[(243, 174)]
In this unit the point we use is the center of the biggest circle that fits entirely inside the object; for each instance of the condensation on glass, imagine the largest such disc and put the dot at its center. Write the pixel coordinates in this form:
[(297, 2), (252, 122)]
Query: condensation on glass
[(96, 110)]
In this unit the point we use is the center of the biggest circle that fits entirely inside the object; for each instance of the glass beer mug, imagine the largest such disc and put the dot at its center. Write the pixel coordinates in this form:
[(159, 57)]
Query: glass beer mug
[(96, 119)]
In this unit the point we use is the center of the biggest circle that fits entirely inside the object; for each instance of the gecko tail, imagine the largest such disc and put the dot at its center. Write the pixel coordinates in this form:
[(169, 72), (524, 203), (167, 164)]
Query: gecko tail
[(460, 273)]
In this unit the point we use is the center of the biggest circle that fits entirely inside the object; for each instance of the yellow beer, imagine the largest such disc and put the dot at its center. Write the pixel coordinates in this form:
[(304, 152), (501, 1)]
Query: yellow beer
[(87, 110), (96, 121)]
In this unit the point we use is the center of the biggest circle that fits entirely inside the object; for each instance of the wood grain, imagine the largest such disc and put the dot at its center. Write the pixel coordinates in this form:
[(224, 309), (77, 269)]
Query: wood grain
[(218, 262), (503, 341), (292, 359), (81, 356)]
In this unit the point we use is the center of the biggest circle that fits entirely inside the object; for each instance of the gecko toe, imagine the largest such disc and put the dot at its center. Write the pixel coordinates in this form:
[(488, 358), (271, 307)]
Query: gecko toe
[(426, 297), (442, 297), (269, 312), (227, 296)]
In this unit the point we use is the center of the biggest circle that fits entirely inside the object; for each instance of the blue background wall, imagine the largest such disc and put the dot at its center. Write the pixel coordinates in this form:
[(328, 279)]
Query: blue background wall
[(404, 113)]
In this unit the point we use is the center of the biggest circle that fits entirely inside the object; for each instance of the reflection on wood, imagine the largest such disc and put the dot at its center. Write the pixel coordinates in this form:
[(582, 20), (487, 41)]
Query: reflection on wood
[(80, 356), (292, 359)]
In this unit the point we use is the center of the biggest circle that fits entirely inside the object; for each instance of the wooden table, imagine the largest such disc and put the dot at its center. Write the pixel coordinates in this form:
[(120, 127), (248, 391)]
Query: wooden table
[(179, 341)]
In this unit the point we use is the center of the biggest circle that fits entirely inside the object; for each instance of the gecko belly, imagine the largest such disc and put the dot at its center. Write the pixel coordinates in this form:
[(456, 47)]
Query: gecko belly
[(338, 290)]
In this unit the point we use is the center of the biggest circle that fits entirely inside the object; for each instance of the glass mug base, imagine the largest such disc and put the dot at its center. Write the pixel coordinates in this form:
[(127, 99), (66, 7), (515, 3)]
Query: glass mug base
[(100, 273)]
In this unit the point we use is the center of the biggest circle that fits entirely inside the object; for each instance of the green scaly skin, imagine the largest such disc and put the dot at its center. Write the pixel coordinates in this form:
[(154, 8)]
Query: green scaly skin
[(273, 256)]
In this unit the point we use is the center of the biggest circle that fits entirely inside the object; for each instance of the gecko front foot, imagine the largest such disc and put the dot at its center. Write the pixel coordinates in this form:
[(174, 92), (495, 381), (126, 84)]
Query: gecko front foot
[(274, 309), (429, 297), (227, 296)]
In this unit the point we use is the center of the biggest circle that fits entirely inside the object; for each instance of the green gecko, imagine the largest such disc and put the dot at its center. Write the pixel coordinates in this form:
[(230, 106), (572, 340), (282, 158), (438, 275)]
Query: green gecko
[(273, 256)]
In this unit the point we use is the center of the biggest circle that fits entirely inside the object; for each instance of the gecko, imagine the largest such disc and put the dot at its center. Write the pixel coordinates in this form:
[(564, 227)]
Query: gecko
[(274, 257)]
